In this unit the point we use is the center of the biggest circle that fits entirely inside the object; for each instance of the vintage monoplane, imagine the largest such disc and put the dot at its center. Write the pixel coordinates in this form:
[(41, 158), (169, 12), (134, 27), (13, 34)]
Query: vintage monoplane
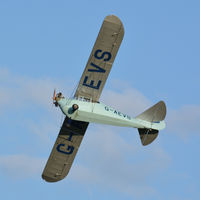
[(85, 106)]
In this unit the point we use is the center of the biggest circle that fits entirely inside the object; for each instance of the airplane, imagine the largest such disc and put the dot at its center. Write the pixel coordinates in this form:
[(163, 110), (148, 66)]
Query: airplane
[(85, 108)]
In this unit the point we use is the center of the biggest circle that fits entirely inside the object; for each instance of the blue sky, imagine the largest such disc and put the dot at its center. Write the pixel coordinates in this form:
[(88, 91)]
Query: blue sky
[(46, 44)]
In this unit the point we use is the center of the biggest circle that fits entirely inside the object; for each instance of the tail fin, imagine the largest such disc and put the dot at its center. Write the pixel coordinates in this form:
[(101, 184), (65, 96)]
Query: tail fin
[(156, 114)]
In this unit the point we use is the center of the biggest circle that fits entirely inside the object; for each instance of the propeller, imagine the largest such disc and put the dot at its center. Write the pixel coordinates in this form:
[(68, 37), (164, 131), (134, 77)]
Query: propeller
[(54, 98), (54, 95)]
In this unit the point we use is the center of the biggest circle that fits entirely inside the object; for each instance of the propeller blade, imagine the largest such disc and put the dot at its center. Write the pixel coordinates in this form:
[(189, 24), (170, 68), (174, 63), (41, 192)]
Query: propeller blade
[(54, 95)]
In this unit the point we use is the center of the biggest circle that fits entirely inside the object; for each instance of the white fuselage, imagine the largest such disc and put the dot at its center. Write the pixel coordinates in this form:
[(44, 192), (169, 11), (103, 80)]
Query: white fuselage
[(100, 113)]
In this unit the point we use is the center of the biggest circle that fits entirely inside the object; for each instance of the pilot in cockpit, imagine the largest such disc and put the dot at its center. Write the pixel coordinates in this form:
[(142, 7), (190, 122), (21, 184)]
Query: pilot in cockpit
[(58, 97)]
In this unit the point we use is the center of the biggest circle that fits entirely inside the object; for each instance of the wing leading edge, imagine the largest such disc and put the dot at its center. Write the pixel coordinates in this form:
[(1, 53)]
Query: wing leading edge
[(101, 59)]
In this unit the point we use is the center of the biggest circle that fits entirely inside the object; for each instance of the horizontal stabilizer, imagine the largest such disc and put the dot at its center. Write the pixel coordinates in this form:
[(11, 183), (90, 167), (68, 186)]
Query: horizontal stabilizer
[(156, 113), (147, 136)]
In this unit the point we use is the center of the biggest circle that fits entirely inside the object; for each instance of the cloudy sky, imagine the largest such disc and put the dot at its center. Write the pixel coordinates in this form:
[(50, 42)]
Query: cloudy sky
[(46, 44)]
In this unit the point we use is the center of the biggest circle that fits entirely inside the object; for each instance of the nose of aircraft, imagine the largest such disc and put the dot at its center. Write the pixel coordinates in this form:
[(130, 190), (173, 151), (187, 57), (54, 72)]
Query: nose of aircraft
[(57, 97)]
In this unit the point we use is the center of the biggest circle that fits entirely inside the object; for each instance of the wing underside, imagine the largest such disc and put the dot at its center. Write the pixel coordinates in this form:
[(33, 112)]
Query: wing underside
[(64, 150), (101, 59)]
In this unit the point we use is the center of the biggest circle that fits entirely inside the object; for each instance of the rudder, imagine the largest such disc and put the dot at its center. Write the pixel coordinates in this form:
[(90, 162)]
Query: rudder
[(154, 114)]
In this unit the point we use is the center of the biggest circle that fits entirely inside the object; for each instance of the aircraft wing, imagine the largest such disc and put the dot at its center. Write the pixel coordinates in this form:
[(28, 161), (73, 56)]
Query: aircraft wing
[(101, 59), (64, 150), (90, 87)]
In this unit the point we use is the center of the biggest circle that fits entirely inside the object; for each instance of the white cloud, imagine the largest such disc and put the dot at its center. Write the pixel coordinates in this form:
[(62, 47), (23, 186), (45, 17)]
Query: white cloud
[(17, 92), (184, 121), (45, 130), (129, 100), (21, 166), (111, 160), (108, 159)]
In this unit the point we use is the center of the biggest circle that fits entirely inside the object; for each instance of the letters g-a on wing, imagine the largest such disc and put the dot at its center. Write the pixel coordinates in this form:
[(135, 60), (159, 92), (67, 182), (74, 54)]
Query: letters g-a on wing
[(100, 55)]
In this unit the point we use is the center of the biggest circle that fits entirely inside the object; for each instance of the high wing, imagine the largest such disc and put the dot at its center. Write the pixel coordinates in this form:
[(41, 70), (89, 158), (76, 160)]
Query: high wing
[(90, 87), (101, 59), (64, 150)]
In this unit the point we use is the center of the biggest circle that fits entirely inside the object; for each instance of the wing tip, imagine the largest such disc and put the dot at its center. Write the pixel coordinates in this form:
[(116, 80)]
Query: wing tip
[(50, 179), (113, 19)]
